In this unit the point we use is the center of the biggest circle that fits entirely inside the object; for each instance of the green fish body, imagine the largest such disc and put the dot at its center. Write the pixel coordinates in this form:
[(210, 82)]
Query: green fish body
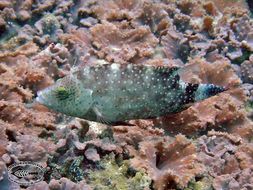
[(117, 92)]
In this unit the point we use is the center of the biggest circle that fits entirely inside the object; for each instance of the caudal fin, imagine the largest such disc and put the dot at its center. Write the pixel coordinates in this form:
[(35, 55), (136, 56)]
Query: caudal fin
[(207, 90), (197, 92)]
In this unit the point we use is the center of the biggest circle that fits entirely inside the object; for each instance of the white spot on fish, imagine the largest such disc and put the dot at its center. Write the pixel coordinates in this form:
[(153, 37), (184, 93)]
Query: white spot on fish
[(115, 66), (130, 66)]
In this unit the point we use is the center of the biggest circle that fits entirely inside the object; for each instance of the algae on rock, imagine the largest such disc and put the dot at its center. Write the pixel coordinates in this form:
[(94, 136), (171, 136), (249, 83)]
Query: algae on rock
[(203, 184), (116, 177)]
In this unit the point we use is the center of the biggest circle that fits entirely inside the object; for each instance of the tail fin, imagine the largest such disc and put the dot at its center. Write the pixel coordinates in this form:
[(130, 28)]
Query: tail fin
[(207, 90), (197, 92)]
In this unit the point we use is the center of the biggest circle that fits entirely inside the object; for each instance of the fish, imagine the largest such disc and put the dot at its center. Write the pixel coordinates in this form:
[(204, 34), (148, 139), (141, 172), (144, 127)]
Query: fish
[(111, 93), (24, 173), (21, 173)]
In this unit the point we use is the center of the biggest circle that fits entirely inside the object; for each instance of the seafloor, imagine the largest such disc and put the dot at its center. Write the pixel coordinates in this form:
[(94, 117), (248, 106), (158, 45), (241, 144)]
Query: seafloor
[(207, 146)]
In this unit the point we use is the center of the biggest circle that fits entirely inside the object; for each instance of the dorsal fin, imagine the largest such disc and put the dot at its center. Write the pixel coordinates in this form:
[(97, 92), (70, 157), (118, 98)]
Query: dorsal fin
[(168, 72), (164, 69)]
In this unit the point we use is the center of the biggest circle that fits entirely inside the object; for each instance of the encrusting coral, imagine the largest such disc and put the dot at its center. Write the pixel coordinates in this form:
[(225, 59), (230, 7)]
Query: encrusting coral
[(169, 164), (206, 146), (247, 70), (117, 176), (229, 159), (122, 45)]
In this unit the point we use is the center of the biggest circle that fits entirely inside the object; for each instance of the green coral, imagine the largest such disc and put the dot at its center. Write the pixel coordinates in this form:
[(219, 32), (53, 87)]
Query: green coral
[(249, 106), (116, 177), (71, 168), (245, 56), (203, 184)]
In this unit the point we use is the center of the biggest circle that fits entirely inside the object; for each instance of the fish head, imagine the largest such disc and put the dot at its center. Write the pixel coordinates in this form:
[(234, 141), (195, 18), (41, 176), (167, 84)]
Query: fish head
[(68, 96)]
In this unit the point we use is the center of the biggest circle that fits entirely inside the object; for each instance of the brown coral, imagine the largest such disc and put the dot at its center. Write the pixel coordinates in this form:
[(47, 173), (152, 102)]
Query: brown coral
[(3, 138), (245, 156), (61, 184), (168, 164), (175, 46), (218, 152), (17, 114), (29, 48), (247, 70), (229, 160), (222, 5), (16, 78), (137, 133), (122, 45), (78, 42), (113, 10), (30, 148), (221, 111), (158, 24)]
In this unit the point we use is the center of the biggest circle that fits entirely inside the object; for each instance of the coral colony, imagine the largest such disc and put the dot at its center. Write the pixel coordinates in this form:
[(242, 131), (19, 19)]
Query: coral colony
[(126, 94)]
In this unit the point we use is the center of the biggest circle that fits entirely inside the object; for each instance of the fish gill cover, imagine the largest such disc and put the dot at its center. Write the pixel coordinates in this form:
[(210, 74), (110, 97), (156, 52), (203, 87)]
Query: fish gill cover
[(205, 145)]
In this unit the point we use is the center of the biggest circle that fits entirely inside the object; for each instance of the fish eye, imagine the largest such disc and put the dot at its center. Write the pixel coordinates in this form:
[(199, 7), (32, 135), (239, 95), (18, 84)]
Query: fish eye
[(62, 93)]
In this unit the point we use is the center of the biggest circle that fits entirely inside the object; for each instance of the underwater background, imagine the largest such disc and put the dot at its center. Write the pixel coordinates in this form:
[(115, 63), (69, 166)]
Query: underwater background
[(208, 146)]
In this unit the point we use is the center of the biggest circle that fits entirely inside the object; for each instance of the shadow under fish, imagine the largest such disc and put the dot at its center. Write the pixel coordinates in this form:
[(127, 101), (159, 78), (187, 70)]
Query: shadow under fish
[(112, 93)]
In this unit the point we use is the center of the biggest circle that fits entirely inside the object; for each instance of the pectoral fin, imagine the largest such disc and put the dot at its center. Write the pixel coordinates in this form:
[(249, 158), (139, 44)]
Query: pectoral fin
[(100, 118), (187, 105)]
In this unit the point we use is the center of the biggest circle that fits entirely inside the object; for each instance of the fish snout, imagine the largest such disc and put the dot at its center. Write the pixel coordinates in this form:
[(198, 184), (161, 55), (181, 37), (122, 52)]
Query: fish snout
[(42, 97)]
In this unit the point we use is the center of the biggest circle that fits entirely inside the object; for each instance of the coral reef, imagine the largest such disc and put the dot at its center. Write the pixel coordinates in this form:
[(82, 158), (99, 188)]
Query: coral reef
[(206, 146), (122, 45), (229, 159), (168, 164), (114, 176)]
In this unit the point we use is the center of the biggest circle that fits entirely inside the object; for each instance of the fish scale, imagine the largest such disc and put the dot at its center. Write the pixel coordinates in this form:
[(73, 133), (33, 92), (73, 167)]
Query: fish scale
[(131, 89), (120, 92)]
